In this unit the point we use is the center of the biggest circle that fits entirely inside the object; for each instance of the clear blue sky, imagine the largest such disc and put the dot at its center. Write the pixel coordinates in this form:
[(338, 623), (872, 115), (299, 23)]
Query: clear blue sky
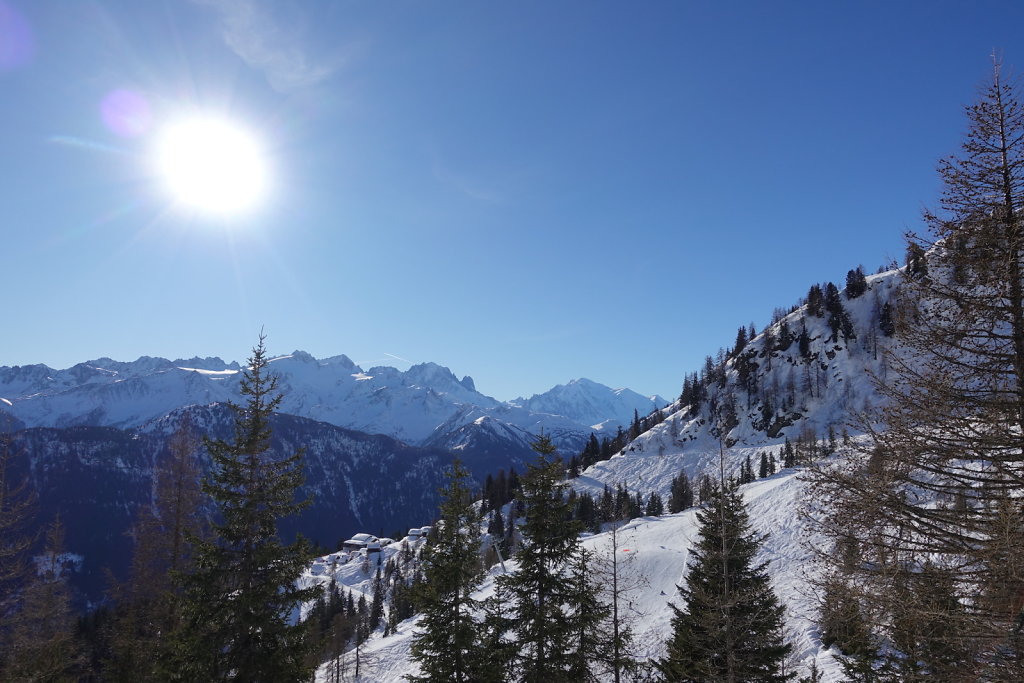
[(526, 192)]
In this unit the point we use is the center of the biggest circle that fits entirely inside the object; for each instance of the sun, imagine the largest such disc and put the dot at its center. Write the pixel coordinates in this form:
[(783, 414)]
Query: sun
[(212, 166)]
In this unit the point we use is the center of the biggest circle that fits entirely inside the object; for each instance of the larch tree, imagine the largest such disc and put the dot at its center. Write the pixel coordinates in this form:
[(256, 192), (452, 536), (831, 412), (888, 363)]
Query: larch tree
[(148, 603), (730, 626), (933, 499), (17, 507), (43, 645), (242, 594)]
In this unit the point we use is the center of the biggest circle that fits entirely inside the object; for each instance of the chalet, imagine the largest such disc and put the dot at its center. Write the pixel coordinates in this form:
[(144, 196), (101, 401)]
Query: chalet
[(360, 542)]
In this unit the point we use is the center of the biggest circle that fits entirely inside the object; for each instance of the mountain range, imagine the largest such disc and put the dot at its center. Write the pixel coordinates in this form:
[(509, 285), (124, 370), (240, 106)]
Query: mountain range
[(377, 441)]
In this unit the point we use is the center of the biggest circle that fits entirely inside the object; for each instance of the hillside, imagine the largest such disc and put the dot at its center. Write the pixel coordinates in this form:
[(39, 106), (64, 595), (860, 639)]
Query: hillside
[(800, 380), (658, 548)]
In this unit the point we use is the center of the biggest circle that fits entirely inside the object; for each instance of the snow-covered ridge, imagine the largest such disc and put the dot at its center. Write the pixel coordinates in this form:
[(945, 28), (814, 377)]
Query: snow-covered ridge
[(410, 405)]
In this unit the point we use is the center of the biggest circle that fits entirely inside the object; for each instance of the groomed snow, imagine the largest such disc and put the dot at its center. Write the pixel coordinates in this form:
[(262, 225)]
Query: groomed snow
[(658, 549)]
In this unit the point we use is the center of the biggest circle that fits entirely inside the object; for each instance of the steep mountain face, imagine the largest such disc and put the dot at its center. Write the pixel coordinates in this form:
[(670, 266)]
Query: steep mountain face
[(590, 403), (803, 378), (96, 478)]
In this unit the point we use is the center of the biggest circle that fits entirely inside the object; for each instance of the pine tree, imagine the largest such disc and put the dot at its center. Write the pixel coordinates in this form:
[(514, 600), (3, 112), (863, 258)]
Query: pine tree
[(240, 599), (655, 507), (447, 645), (538, 602), (681, 496), (730, 628), (856, 283)]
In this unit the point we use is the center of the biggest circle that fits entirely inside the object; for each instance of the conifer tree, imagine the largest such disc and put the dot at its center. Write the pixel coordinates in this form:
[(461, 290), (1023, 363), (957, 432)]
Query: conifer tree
[(538, 603), (241, 596), (655, 506), (448, 644), (730, 627), (681, 496)]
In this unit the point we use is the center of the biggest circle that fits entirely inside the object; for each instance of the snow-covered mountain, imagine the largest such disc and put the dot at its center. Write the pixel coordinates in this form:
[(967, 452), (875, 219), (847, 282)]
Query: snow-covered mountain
[(418, 406), (590, 403)]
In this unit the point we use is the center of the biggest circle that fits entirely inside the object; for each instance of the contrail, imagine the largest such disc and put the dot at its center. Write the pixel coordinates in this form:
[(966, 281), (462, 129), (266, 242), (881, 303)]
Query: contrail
[(404, 360)]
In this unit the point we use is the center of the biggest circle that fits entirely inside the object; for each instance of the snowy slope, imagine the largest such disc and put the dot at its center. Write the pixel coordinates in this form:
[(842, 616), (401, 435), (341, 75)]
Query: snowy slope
[(658, 548)]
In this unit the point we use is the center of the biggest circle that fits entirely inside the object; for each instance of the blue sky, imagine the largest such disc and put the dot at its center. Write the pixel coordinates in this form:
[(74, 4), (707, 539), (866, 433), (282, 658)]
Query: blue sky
[(525, 192)]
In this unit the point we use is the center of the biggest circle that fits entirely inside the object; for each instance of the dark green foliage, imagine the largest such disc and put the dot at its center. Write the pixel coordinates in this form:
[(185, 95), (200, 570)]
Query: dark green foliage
[(239, 600), (705, 489), (838, 319), (856, 283), (16, 512), (741, 341), (655, 506), (804, 341), (681, 496), (540, 603), (730, 627), (815, 302), (746, 471), (447, 645), (886, 323)]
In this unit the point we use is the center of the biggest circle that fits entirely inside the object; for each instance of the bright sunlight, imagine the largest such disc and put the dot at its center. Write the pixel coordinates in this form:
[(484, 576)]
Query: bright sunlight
[(212, 166)]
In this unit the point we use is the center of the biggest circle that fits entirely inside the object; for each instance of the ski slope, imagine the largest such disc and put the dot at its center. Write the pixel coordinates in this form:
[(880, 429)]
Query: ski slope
[(657, 549)]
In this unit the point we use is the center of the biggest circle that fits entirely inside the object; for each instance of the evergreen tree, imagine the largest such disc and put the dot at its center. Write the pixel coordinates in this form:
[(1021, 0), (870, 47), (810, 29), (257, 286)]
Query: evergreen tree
[(886, 323), (241, 597), (655, 506), (681, 496), (447, 645), (856, 283), (815, 301), (377, 601), (587, 617), (538, 603), (730, 628)]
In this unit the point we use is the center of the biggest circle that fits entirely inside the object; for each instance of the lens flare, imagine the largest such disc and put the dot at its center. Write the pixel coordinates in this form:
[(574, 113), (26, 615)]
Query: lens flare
[(17, 45), (126, 113)]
